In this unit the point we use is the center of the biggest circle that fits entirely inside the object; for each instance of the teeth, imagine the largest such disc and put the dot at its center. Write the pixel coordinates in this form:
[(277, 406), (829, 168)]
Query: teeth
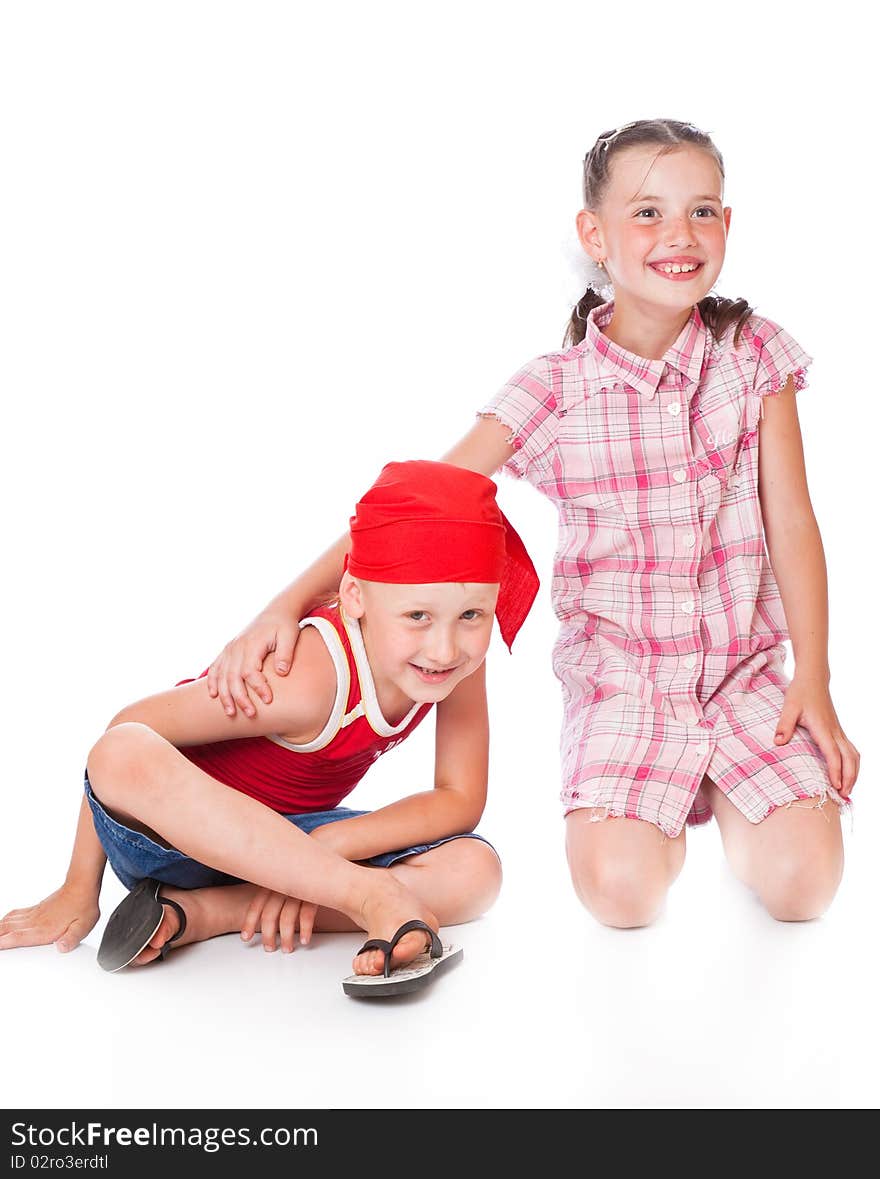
[(675, 268)]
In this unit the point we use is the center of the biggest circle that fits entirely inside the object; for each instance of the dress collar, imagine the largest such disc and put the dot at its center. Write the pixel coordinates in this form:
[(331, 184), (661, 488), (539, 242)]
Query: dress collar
[(611, 361)]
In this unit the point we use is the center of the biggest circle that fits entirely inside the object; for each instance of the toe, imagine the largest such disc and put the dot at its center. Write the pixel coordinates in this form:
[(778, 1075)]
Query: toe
[(152, 950), (410, 946), (370, 962), (149, 954)]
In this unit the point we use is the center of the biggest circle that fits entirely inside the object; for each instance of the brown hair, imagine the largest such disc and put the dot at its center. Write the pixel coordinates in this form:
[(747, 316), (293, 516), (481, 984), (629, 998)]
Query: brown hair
[(666, 134)]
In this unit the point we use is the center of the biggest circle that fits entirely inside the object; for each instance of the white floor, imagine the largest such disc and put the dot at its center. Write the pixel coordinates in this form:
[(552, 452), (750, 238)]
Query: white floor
[(716, 1005), (280, 277)]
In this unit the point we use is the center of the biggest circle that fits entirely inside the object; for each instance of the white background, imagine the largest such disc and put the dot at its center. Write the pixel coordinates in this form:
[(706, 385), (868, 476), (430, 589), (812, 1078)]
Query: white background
[(251, 253)]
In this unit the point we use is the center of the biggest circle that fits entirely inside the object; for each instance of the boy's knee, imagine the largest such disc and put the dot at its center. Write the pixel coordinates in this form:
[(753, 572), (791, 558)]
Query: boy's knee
[(488, 874), (479, 870), (114, 760), (465, 877)]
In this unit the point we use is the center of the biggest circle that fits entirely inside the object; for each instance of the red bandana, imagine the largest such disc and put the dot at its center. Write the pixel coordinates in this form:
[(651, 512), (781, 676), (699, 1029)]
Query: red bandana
[(424, 521)]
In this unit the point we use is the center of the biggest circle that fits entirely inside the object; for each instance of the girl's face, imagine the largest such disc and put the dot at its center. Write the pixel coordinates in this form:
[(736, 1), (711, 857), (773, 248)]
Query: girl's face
[(423, 639), (659, 208)]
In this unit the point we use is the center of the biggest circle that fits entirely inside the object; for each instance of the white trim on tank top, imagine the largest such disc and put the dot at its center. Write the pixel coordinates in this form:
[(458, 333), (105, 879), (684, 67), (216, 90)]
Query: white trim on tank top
[(337, 721), (372, 711)]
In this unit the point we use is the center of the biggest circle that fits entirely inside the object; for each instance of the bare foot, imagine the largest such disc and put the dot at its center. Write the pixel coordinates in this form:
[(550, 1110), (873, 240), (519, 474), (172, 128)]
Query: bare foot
[(384, 913), (222, 909), (209, 913)]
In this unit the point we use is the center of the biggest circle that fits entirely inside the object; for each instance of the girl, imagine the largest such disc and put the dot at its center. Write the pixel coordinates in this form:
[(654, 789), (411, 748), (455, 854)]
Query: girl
[(179, 795), (666, 432)]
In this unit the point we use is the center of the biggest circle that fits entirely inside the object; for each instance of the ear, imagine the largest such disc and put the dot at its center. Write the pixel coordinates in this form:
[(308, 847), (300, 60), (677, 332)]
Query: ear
[(589, 233), (351, 596)]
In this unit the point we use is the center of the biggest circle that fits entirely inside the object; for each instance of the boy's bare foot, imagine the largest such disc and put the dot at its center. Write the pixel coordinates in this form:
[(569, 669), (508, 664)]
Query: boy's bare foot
[(221, 909), (384, 913), (209, 913)]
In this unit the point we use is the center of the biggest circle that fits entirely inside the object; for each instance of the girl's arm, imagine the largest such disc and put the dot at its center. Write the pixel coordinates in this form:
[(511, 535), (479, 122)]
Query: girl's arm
[(793, 541), (239, 665), (454, 806), (797, 557)]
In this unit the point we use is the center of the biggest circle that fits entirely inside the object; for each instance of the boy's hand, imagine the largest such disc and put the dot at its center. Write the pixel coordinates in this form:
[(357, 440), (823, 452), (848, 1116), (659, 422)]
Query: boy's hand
[(64, 918), (239, 665), (272, 911), (808, 702)]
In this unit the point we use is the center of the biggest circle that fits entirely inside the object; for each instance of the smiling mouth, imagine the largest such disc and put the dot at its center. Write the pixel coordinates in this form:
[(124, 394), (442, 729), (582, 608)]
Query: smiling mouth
[(433, 673), (675, 270)]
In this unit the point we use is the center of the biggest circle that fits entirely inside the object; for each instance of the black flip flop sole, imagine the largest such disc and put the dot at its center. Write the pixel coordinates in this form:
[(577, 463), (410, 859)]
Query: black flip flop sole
[(415, 975), (133, 923)]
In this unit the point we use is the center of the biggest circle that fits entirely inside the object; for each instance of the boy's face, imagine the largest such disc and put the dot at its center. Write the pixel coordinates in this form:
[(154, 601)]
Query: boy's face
[(425, 639)]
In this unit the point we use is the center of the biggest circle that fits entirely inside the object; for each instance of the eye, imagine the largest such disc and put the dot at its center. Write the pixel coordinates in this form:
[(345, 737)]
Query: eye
[(651, 209), (470, 615), (417, 615)]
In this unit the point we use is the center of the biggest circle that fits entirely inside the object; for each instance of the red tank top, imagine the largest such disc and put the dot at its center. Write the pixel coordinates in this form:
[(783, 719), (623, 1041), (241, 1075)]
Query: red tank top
[(293, 779)]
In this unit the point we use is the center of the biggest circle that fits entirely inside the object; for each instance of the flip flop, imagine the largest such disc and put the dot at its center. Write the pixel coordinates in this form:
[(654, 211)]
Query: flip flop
[(133, 923), (410, 977)]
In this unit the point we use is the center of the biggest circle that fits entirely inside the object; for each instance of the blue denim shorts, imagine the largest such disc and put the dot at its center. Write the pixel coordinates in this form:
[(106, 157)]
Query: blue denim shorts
[(133, 855)]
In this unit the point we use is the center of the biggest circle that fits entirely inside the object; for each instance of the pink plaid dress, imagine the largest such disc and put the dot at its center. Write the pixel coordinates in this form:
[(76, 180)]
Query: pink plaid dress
[(671, 646)]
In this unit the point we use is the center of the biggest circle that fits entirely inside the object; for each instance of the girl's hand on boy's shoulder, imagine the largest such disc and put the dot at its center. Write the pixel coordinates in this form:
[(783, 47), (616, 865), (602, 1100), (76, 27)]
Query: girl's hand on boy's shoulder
[(64, 918), (274, 914), (239, 665), (808, 702)]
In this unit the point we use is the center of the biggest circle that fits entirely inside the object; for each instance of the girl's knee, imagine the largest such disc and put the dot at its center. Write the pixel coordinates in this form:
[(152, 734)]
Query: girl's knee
[(620, 894), (115, 760), (621, 869), (801, 891)]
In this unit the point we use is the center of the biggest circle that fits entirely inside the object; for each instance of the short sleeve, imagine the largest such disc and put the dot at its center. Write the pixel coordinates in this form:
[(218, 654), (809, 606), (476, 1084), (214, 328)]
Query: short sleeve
[(779, 355), (526, 404)]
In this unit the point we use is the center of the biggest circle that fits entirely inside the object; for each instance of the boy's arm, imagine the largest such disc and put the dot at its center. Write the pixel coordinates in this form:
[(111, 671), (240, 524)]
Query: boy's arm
[(237, 670), (88, 858), (239, 666), (71, 912), (454, 806), (184, 715), (302, 702)]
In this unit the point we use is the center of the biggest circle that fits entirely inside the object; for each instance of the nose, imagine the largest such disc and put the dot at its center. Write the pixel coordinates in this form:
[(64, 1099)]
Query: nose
[(441, 647), (679, 231)]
